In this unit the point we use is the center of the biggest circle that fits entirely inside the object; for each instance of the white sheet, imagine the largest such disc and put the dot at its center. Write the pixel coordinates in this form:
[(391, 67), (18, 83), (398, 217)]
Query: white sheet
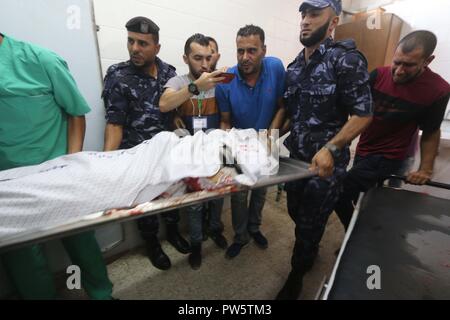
[(67, 188)]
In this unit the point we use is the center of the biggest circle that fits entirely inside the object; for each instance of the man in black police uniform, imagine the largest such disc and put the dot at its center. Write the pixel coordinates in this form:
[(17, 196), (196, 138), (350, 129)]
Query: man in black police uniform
[(131, 95), (326, 83)]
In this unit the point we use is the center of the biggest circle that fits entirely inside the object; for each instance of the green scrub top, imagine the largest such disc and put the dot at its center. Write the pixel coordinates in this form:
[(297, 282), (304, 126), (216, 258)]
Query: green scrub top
[(37, 92)]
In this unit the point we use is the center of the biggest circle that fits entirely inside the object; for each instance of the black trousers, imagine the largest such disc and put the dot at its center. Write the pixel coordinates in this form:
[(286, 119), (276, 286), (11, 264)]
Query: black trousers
[(366, 173), (310, 203), (149, 226)]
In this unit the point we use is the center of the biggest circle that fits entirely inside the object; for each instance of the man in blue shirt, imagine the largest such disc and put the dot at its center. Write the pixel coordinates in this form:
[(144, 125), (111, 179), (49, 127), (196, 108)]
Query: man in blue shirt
[(252, 100)]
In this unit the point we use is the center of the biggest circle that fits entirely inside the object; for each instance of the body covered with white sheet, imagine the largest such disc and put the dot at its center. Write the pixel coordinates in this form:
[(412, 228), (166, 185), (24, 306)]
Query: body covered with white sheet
[(65, 189)]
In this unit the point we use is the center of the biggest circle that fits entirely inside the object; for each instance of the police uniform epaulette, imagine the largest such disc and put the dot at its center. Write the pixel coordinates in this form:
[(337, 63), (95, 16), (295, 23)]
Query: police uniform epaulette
[(171, 67), (119, 66), (348, 44), (167, 68), (343, 47), (292, 63), (111, 75)]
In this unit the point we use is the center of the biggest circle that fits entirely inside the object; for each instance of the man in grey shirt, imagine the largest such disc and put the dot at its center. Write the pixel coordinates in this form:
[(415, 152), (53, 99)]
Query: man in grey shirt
[(193, 97)]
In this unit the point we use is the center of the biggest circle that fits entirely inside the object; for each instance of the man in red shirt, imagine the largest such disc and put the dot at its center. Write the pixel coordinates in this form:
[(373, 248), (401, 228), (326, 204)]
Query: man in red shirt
[(407, 95)]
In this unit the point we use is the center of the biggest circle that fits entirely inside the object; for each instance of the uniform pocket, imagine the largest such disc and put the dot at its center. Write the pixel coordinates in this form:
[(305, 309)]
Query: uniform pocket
[(321, 89), (319, 93), (320, 103)]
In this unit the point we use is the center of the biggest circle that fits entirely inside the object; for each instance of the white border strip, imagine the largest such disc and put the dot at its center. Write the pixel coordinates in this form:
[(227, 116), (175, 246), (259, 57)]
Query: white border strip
[(330, 283)]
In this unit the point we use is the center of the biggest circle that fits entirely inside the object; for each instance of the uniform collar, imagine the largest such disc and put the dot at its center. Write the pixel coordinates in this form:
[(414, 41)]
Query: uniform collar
[(160, 65), (327, 43)]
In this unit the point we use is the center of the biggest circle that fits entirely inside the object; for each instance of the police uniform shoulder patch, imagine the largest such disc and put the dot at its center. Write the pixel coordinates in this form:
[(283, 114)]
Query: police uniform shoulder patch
[(116, 67), (113, 76), (348, 44), (171, 68), (292, 63), (342, 48)]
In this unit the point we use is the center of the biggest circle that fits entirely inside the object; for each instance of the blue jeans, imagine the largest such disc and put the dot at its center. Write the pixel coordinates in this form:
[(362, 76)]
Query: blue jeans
[(195, 214), (247, 217)]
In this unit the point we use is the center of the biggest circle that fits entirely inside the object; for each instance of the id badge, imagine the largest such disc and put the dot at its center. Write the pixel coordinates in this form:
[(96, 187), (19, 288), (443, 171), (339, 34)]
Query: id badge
[(199, 123)]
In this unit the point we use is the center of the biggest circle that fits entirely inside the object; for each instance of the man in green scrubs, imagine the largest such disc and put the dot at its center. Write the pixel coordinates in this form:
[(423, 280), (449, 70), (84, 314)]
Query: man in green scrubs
[(42, 117)]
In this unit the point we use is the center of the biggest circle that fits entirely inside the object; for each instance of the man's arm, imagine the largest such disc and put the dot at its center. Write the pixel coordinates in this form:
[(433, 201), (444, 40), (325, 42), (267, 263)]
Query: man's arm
[(429, 144), (75, 133), (277, 124), (68, 97), (323, 160), (286, 127), (117, 108), (172, 99), (113, 136), (353, 128), (355, 95), (280, 116), (225, 121)]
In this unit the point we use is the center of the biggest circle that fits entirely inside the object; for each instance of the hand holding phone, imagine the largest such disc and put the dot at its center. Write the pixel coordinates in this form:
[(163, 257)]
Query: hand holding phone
[(228, 77), (208, 81)]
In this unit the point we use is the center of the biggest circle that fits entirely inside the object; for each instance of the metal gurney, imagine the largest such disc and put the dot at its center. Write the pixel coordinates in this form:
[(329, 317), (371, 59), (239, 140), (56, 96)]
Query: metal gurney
[(289, 170), (401, 237)]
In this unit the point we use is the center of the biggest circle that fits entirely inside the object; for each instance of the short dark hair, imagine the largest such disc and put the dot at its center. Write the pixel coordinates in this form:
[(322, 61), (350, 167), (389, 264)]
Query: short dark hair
[(250, 30), (211, 39), (196, 38), (421, 38)]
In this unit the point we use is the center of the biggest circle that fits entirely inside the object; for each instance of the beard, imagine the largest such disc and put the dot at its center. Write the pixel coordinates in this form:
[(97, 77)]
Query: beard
[(315, 37), (250, 71), (196, 74), (405, 78), (141, 63)]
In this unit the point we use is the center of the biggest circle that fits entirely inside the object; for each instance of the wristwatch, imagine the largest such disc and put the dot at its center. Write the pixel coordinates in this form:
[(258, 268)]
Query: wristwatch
[(334, 150), (192, 88)]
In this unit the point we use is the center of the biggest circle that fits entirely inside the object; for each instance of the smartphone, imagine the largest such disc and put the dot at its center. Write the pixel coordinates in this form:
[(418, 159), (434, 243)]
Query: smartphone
[(228, 77)]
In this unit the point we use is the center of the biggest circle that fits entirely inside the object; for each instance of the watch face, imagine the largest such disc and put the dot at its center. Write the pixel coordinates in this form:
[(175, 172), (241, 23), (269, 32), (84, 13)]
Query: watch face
[(335, 152), (192, 88)]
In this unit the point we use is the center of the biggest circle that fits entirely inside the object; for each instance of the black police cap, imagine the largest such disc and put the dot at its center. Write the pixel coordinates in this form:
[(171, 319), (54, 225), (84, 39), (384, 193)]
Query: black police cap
[(142, 25)]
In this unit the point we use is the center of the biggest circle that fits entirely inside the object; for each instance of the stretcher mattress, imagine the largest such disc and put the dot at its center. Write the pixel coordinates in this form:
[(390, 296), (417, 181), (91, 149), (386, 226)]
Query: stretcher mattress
[(406, 235)]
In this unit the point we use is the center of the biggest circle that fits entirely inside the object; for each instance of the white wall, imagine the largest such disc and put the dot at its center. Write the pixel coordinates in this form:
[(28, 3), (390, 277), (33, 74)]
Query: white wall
[(179, 19)]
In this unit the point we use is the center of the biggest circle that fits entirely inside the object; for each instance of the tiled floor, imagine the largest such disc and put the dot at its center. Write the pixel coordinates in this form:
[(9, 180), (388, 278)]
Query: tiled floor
[(254, 274)]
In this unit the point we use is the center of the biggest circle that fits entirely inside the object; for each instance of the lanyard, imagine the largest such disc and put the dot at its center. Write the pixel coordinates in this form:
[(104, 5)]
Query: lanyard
[(200, 98)]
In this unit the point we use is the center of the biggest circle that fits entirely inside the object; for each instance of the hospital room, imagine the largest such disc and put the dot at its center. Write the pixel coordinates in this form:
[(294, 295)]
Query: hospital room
[(214, 152)]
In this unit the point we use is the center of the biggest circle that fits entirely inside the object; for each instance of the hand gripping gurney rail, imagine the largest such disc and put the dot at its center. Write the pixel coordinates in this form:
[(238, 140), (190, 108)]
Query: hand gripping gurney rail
[(84, 191), (397, 247)]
